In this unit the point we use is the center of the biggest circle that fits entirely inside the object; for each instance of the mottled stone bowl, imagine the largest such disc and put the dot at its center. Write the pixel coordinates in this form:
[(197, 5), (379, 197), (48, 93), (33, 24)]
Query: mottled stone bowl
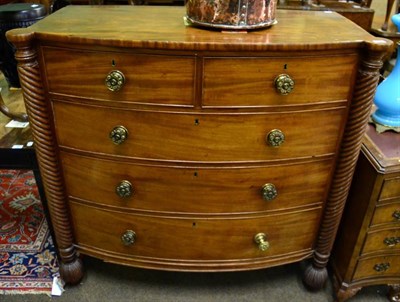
[(232, 14)]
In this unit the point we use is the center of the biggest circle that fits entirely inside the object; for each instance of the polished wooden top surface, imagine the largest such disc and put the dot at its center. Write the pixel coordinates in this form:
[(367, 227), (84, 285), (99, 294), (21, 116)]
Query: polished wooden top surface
[(382, 149), (163, 27)]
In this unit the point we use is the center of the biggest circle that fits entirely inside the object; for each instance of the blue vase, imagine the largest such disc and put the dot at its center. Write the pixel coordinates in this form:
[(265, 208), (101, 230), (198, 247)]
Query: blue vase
[(387, 96), (396, 21)]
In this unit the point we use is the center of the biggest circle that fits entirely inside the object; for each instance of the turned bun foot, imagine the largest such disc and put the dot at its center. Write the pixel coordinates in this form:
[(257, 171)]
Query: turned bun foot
[(72, 272), (315, 278)]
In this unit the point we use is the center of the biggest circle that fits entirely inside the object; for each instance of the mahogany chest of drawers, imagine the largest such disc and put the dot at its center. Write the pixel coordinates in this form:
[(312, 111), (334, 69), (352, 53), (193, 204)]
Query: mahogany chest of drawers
[(171, 147), (367, 250)]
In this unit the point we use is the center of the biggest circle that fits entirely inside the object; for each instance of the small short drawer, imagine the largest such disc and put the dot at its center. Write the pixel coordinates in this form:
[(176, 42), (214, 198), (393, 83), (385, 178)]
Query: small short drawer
[(252, 80), (390, 189), (198, 136), (382, 240), (387, 214), (188, 189), (193, 238), (384, 266), (149, 79)]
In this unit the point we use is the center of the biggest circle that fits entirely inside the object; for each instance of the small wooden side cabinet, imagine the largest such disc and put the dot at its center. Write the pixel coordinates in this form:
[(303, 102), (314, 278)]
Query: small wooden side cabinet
[(367, 248)]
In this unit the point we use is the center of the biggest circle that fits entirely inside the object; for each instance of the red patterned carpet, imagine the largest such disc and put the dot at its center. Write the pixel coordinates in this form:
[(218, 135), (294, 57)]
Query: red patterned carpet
[(27, 256)]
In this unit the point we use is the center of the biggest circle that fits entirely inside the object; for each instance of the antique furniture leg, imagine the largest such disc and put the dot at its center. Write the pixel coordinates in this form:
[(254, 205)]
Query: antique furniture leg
[(345, 294), (366, 3), (389, 7), (71, 268), (368, 75), (18, 116), (343, 291)]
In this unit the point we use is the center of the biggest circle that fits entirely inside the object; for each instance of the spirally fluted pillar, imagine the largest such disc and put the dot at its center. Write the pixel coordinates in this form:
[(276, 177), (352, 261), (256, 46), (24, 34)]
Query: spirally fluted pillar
[(71, 268), (368, 75)]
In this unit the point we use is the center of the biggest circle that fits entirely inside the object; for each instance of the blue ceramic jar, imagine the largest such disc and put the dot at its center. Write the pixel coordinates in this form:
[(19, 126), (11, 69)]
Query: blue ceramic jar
[(387, 96)]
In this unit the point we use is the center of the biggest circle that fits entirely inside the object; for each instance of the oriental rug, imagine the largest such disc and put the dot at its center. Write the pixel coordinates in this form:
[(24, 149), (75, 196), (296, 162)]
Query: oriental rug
[(28, 261)]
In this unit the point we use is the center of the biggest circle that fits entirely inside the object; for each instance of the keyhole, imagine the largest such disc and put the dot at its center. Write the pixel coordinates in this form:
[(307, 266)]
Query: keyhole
[(285, 66), (194, 224), (196, 174), (196, 122), (113, 63)]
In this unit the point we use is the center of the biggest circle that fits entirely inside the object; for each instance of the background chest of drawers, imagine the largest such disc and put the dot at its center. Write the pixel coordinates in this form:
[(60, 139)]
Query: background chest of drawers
[(170, 147), (367, 250)]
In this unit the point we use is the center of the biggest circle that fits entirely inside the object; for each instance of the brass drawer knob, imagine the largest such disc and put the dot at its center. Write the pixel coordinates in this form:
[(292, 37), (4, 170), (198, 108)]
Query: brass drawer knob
[(118, 135), (284, 84), (124, 189), (396, 215), (261, 240), (128, 238), (115, 80), (269, 192), (391, 241), (275, 138), (381, 267)]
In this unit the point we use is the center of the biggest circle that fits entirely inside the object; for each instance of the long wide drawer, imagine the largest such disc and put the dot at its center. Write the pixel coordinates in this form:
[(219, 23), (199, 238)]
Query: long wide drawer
[(192, 238), (151, 79), (196, 189), (198, 137)]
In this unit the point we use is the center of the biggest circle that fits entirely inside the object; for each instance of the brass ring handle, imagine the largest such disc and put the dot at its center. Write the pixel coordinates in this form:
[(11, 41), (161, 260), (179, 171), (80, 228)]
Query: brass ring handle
[(391, 241), (284, 84), (118, 135), (115, 80), (396, 215), (275, 138), (124, 189), (381, 267), (269, 192), (128, 238), (261, 240)]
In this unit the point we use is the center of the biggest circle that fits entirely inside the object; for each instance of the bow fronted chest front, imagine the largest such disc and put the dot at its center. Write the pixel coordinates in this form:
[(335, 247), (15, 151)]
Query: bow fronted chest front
[(171, 147)]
